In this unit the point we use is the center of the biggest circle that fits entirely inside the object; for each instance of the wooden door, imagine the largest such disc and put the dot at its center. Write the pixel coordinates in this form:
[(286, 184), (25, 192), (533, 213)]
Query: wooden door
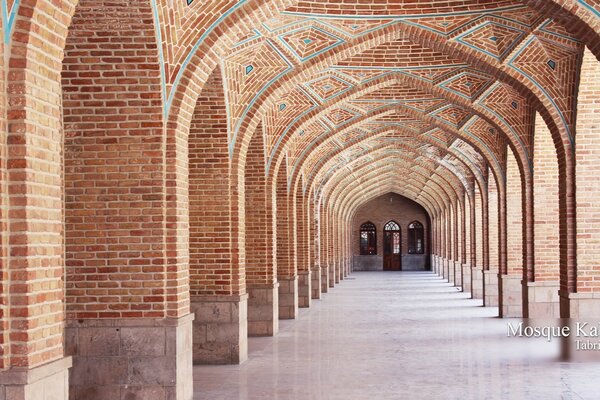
[(391, 247)]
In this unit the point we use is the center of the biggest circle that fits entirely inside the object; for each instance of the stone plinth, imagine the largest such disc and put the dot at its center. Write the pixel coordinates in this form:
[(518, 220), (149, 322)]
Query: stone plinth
[(466, 277), (580, 305), (45, 382), (450, 269), (457, 274), (263, 309), (324, 278), (315, 285), (288, 297), (510, 296), (476, 283), (542, 299), (490, 288), (130, 359), (304, 288), (220, 329)]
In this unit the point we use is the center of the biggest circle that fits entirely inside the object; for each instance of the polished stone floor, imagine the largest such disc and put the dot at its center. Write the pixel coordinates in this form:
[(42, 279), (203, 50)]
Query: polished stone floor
[(398, 335)]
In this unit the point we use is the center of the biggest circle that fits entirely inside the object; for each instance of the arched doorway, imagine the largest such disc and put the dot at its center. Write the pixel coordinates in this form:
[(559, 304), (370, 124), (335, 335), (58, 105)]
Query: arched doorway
[(391, 247)]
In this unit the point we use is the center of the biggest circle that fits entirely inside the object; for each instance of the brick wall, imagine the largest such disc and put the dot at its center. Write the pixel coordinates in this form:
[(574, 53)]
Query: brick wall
[(546, 212), (514, 217), (213, 262), (33, 159), (259, 216), (4, 261), (380, 210), (284, 235), (114, 188), (494, 243), (588, 178)]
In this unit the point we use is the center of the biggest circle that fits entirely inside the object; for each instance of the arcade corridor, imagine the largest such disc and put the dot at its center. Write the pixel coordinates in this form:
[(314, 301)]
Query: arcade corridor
[(430, 339)]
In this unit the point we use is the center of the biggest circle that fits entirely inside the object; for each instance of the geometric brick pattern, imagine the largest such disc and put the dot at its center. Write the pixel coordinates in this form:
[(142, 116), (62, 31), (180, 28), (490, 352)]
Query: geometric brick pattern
[(248, 72), (306, 43), (493, 38), (137, 133)]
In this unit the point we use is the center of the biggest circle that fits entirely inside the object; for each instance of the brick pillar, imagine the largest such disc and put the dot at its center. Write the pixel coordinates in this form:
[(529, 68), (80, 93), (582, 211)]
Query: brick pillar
[(511, 288), (452, 234), (315, 259), (468, 245), (477, 263), (302, 259), (286, 263), (581, 298), (217, 250), (459, 241), (261, 281), (323, 248), (129, 327), (490, 278), (542, 294), (33, 365), (333, 279)]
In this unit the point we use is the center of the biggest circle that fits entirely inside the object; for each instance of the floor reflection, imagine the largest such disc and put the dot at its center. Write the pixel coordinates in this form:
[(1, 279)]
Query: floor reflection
[(395, 336)]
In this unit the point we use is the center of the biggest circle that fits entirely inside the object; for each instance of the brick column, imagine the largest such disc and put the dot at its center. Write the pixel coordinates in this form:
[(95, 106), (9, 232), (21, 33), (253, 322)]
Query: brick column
[(301, 233), (511, 288), (323, 248), (129, 327), (581, 298), (217, 250), (477, 263), (33, 365), (542, 294), (468, 244), (314, 256), (261, 280), (286, 263), (490, 278)]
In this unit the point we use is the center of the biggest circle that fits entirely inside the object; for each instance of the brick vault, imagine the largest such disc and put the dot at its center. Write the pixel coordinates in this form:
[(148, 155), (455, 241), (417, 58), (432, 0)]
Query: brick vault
[(179, 175)]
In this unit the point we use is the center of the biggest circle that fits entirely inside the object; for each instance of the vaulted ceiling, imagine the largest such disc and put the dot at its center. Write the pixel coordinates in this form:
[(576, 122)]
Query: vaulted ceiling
[(433, 94)]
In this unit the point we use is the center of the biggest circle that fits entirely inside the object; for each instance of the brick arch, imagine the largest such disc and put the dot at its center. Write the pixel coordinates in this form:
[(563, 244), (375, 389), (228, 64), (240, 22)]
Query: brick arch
[(441, 191), (581, 19), (373, 184), (418, 36), (346, 198), (469, 166), (386, 80), (430, 120), (454, 183), (34, 176)]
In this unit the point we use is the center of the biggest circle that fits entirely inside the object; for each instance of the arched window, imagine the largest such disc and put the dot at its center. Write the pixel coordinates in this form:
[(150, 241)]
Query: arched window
[(368, 239), (415, 238)]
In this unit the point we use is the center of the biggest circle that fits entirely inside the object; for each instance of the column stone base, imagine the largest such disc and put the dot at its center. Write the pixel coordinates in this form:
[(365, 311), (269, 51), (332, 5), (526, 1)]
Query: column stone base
[(510, 296), (45, 382), (304, 288), (263, 309), (133, 359), (332, 278), (324, 279), (476, 283), (490, 289), (580, 305), (220, 329), (315, 285), (288, 297), (450, 264), (466, 277), (457, 274), (542, 300)]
